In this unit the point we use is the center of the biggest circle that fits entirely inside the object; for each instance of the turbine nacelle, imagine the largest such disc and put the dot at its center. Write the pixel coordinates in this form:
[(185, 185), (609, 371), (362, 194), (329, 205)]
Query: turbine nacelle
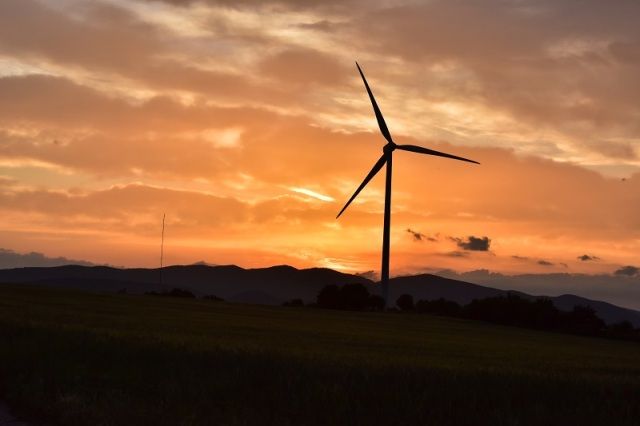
[(389, 148)]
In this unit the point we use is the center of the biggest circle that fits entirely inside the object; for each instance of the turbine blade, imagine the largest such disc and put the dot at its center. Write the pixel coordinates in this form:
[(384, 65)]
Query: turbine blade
[(381, 124), (421, 150), (376, 168)]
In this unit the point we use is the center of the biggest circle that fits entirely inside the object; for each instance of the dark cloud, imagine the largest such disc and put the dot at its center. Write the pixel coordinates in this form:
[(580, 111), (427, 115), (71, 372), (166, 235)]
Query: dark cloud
[(541, 262), (419, 236), (629, 271), (11, 259), (587, 258), (473, 243), (456, 254)]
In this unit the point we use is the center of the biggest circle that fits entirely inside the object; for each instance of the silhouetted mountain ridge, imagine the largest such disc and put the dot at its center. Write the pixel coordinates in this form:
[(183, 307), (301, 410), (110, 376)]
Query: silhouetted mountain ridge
[(231, 282), (276, 284)]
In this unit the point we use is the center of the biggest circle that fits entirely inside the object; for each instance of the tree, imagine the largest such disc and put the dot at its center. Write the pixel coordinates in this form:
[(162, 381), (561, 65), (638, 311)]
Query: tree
[(439, 307), (179, 292), (354, 297), (545, 314), (213, 298), (375, 302), (622, 327), (405, 302), (175, 292), (329, 297), (582, 320)]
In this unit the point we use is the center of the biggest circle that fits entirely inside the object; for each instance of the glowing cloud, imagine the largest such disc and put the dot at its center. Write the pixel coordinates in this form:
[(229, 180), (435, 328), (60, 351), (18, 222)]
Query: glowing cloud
[(312, 194)]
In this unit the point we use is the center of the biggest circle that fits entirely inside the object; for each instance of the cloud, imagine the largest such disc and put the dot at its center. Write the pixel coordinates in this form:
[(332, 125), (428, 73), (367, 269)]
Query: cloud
[(11, 259), (304, 67), (515, 74), (456, 254), (419, 236), (7, 181), (629, 271), (473, 97), (540, 262), (473, 243), (302, 4), (587, 258)]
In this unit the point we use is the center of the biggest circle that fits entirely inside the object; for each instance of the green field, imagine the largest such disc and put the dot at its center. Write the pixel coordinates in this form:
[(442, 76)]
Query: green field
[(69, 357)]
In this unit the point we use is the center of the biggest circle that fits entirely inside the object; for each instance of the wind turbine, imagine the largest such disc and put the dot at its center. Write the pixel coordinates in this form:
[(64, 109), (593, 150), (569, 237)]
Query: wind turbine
[(386, 159)]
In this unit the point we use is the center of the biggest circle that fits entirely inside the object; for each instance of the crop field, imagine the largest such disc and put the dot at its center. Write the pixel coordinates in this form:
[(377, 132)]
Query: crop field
[(75, 358)]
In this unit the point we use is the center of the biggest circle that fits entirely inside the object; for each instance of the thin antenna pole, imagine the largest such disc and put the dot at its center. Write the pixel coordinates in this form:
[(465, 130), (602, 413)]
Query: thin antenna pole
[(162, 248)]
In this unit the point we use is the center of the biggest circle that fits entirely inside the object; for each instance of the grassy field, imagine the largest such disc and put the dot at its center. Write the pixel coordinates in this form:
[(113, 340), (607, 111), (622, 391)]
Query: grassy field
[(76, 358)]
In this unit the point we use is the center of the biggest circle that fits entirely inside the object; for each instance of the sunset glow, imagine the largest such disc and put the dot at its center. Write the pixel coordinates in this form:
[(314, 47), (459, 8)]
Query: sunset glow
[(247, 124)]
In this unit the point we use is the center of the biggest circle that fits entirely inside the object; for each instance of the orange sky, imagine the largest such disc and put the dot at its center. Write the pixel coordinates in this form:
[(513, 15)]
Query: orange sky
[(248, 125)]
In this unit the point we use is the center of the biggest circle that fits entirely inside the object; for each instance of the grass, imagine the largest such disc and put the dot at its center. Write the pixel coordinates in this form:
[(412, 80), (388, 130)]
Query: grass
[(74, 358)]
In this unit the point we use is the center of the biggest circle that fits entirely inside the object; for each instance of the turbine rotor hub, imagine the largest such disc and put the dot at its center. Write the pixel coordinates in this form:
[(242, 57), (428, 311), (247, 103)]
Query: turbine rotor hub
[(388, 148)]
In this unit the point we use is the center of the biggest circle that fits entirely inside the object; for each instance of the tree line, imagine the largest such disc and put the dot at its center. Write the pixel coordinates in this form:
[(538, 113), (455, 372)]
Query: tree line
[(510, 309)]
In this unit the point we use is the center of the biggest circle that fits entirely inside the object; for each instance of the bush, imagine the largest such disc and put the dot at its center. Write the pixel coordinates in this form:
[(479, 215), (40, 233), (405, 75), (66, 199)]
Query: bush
[(352, 297), (438, 307), (329, 297), (514, 310), (213, 298), (375, 302), (622, 326), (582, 320), (175, 292), (294, 303), (405, 302)]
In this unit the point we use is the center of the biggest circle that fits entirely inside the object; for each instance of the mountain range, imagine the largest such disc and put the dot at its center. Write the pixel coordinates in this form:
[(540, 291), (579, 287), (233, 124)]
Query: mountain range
[(276, 284)]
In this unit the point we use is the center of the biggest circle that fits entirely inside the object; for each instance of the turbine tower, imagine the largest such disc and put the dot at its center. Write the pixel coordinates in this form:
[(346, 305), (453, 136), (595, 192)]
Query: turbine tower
[(386, 159)]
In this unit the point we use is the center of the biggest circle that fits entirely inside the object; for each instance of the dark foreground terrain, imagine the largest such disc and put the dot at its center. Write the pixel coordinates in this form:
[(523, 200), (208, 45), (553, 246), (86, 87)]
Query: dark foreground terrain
[(74, 358)]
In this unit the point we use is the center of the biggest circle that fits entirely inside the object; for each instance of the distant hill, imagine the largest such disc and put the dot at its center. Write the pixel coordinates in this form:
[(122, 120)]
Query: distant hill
[(429, 287), (263, 285), (276, 284)]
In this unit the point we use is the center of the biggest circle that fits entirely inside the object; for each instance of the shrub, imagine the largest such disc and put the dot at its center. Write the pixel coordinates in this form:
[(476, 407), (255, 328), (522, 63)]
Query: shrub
[(175, 292), (405, 302), (352, 297), (213, 298), (438, 307), (294, 303)]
